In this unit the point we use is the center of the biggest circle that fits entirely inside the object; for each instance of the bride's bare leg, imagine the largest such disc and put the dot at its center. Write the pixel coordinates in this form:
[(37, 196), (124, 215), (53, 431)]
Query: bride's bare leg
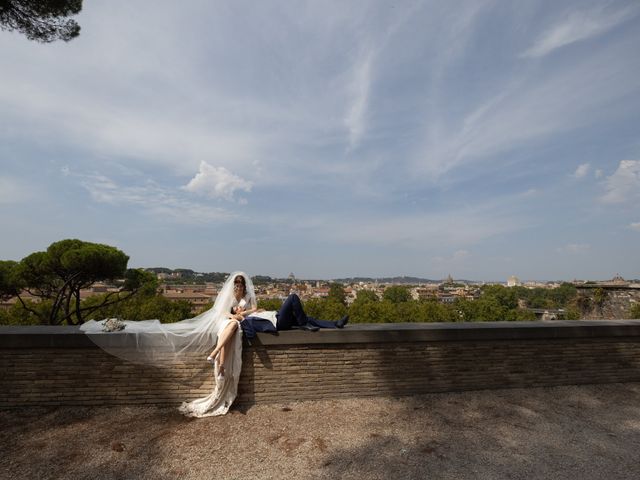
[(224, 337), (223, 356), (223, 353)]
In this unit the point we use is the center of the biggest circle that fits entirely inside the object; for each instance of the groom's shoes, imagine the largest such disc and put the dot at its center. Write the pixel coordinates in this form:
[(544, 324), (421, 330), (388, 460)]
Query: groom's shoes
[(307, 327), (342, 322)]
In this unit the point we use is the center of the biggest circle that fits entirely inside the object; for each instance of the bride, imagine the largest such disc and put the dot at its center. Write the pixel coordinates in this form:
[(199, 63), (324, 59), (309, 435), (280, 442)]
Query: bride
[(163, 344)]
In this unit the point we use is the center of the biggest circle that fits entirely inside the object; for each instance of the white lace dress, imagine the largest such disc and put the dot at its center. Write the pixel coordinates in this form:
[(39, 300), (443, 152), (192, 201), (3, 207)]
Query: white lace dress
[(151, 342), (225, 390)]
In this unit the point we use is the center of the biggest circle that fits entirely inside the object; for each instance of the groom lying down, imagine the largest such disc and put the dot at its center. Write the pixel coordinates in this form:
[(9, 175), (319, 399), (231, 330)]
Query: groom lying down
[(290, 316)]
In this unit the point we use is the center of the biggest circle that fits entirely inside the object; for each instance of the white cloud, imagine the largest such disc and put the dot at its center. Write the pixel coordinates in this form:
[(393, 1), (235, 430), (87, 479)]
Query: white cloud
[(105, 129), (576, 27), (532, 192), (575, 248), (598, 173), (582, 170), (355, 119), (217, 182), (624, 184), (635, 226), (151, 198), (457, 257), (460, 255), (528, 109)]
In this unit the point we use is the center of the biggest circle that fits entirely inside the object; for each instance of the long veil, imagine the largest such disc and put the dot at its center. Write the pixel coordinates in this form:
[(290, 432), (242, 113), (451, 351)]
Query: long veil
[(163, 344)]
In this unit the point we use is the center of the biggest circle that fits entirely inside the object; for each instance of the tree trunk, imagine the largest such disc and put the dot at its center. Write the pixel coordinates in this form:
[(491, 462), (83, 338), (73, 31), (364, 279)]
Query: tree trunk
[(78, 311)]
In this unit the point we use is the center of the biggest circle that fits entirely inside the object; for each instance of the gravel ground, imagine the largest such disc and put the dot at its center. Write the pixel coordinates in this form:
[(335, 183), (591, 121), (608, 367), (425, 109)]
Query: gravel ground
[(581, 432)]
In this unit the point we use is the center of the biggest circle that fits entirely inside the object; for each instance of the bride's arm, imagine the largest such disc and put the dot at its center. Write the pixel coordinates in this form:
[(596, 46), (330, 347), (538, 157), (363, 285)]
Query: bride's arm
[(249, 311)]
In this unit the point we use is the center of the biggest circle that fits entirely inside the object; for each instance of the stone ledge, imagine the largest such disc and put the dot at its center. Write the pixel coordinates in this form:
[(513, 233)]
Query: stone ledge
[(23, 337)]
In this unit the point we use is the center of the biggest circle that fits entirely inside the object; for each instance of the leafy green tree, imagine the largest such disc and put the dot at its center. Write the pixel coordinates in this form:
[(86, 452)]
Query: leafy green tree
[(332, 310), (410, 312), (336, 293), (562, 295), (143, 306), (314, 307), (390, 312), (68, 266), (324, 308), (18, 315), (481, 310), (518, 315), (505, 296), (270, 304), (8, 285), (360, 305), (434, 311), (366, 296), (41, 20), (634, 312), (396, 294), (572, 313), (537, 298)]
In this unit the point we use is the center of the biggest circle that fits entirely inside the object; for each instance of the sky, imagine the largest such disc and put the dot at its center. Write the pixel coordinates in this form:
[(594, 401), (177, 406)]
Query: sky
[(480, 139)]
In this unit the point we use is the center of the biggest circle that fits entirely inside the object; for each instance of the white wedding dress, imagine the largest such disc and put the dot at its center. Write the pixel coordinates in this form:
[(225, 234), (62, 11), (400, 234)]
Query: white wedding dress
[(163, 344)]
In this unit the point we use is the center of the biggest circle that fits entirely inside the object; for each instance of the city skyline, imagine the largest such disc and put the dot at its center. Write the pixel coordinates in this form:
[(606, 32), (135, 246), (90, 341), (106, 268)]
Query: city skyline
[(332, 139), (391, 279)]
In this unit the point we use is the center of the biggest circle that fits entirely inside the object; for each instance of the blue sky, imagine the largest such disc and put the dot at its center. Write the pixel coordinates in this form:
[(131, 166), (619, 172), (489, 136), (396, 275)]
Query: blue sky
[(330, 139)]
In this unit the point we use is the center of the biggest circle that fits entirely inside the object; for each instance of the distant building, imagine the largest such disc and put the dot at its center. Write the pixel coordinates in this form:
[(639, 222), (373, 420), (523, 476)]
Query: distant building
[(197, 300), (446, 298), (425, 292), (618, 280), (513, 281), (322, 292)]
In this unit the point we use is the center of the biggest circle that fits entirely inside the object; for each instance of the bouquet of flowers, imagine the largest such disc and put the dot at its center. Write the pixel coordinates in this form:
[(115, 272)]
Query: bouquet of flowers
[(113, 325)]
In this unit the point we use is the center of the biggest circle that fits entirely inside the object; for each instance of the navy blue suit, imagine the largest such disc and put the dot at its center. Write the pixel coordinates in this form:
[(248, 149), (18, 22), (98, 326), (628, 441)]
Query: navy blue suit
[(291, 314)]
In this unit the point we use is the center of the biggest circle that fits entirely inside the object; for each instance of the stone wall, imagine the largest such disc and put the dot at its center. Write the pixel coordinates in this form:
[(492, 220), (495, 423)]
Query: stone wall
[(616, 302), (60, 366)]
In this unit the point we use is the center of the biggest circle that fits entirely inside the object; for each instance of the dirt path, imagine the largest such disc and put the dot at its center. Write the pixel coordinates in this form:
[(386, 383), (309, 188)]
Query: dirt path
[(585, 432)]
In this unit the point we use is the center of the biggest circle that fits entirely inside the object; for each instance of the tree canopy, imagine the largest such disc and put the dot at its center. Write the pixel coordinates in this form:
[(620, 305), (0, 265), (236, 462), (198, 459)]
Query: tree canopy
[(43, 21), (366, 296), (397, 294), (57, 275), (336, 293)]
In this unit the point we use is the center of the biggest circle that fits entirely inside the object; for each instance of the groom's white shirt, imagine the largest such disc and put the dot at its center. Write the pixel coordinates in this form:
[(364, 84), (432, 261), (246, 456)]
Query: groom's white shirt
[(266, 315)]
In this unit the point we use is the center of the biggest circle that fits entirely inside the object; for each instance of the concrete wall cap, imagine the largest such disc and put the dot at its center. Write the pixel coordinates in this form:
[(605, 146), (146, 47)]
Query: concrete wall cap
[(72, 337)]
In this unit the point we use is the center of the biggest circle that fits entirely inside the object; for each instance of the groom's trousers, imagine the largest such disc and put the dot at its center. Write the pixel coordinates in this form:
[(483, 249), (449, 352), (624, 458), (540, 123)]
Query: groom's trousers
[(292, 314)]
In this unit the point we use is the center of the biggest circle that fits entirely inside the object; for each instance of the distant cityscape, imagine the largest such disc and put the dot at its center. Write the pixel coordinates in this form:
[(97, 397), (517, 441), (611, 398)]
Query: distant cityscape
[(200, 289), (443, 291)]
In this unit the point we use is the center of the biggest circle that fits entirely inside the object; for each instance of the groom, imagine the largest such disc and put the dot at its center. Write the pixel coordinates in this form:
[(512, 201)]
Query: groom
[(290, 316)]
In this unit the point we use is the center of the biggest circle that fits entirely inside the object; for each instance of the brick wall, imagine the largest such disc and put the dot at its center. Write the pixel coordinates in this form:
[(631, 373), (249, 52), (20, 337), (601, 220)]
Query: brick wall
[(61, 367)]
